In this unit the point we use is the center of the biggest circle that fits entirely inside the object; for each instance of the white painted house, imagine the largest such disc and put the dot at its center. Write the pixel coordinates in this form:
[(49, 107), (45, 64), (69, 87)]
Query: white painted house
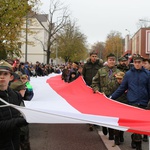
[(36, 37)]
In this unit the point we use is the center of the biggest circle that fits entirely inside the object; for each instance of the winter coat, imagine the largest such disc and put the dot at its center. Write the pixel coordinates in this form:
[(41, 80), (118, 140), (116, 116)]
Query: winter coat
[(90, 69), (10, 121), (137, 84)]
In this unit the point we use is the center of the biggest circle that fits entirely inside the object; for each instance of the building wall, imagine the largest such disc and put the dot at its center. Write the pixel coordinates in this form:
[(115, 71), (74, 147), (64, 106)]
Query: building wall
[(141, 42), (36, 37), (147, 42)]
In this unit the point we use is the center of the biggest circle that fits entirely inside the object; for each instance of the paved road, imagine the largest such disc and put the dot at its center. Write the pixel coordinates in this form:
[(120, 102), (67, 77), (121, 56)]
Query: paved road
[(64, 137), (125, 146), (73, 137), (127, 143)]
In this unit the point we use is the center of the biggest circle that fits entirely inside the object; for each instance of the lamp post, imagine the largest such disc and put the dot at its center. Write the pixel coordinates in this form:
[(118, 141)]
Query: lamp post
[(26, 45), (127, 39), (128, 32)]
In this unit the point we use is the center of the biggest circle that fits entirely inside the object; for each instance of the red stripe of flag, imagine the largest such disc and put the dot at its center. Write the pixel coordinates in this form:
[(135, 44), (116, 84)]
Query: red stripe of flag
[(82, 98)]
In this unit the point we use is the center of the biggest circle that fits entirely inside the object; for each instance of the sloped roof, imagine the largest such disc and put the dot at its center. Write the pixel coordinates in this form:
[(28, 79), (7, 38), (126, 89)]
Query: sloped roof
[(40, 17)]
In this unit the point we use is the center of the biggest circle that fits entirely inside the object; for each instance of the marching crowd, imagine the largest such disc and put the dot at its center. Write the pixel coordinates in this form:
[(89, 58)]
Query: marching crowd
[(127, 81)]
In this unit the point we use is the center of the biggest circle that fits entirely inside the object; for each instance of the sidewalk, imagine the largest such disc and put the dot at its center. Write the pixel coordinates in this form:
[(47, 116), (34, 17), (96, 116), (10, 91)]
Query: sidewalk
[(125, 146)]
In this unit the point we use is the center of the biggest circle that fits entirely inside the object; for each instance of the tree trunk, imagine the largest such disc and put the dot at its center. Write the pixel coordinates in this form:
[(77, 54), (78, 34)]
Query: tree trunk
[(48, 56)]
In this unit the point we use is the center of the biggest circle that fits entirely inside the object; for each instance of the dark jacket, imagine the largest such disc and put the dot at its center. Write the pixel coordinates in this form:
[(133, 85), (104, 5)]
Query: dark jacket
[(137, 84), (90, 69), (73, 70), (123, 97), (10, 121)]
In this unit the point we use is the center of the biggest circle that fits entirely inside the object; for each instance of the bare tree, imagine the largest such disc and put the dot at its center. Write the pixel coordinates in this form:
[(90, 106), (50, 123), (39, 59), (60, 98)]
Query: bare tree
[(58, 16), (72, 43), (114, 44)]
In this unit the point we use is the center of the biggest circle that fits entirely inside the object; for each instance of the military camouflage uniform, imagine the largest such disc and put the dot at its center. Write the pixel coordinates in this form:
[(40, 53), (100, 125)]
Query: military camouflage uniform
[(103, 82), (123, 68), (106, 83)]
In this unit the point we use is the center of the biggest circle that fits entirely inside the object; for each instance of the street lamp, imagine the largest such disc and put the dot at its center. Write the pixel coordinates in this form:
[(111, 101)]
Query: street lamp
[(128, 31), (127, 39), (144, 20)]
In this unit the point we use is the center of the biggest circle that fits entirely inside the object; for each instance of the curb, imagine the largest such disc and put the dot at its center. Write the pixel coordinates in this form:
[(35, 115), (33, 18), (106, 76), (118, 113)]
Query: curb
[(108, 143)]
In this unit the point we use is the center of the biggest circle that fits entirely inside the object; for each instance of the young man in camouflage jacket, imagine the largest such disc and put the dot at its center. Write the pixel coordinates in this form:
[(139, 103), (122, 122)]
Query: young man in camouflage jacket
[(105, 82)]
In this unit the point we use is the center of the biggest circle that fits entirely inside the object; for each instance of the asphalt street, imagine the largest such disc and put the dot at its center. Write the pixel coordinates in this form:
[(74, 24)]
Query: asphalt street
[(64, 137), (74, 137)]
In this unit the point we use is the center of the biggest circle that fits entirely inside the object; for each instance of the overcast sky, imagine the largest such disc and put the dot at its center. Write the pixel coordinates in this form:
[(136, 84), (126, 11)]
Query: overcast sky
[(96, 18)]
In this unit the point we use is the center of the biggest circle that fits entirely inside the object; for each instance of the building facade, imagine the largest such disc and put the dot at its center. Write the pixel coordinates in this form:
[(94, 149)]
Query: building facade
[(140, 42), (34, 38)]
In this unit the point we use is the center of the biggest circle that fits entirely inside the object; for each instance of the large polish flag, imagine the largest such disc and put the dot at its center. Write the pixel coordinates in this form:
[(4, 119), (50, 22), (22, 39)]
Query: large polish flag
[(58, 102)]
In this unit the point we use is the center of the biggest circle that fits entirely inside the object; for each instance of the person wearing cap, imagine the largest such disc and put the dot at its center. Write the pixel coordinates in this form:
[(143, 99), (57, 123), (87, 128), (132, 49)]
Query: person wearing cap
[(137, 83), (119, 77), (10, 119), (119, 135), (90, 69), (105, 82), (20, 86), (123, 64)]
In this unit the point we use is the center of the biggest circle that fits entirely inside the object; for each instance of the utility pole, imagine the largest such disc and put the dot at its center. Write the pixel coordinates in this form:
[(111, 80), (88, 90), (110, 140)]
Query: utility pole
[(26, 45)]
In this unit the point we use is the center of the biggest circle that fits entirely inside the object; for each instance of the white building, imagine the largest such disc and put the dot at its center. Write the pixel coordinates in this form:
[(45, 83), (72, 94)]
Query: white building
[(36, 36)]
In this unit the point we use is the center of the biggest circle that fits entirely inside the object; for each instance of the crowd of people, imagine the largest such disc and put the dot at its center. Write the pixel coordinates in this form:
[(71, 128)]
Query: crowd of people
[(127, 81)]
